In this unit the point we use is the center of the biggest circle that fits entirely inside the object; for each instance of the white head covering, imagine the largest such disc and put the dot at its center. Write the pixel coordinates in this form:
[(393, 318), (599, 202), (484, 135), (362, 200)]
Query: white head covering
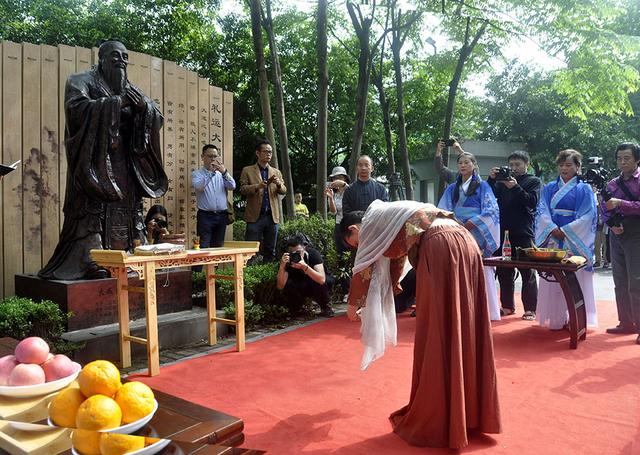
[(380, 226)]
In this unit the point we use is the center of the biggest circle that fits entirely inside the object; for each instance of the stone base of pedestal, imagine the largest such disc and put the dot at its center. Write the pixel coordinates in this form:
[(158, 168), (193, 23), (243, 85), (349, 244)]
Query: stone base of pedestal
[(93, 302)]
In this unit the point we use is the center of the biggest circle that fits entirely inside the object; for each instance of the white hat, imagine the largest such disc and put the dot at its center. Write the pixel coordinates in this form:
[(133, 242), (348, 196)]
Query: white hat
[(339, 170)]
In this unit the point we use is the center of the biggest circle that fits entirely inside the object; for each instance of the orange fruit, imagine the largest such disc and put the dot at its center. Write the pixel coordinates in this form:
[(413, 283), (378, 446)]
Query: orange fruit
[(150, 441), (136, 401), (64, 407), (86, 442), (119, 444), (98, 413), (99, 377)]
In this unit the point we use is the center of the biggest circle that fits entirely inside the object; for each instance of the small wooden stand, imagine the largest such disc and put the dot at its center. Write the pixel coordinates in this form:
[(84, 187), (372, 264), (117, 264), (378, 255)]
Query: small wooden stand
[(565, 276), (118, 262)]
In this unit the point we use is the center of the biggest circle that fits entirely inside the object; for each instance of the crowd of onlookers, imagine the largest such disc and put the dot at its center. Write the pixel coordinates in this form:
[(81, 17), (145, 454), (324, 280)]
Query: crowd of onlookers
[(566, 213)]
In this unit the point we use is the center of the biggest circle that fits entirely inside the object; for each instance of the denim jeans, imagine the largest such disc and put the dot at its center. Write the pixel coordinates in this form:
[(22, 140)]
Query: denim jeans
[(211, 228), (266, 232)]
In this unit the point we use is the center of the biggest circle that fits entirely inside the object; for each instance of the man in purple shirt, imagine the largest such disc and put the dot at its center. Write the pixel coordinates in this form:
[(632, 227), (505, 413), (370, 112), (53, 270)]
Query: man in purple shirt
[(211, 184), (622, 213)]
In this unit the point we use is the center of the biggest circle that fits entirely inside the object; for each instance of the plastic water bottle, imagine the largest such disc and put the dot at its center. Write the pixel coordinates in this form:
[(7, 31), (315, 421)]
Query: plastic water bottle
[(506, 247)]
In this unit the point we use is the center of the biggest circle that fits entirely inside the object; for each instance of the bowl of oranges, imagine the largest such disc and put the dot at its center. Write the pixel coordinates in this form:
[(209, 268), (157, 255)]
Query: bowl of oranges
[(97, 402), (87, 442)]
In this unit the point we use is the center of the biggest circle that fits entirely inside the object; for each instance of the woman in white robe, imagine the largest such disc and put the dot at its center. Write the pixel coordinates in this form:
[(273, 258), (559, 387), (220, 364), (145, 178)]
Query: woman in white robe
[(566, 218)]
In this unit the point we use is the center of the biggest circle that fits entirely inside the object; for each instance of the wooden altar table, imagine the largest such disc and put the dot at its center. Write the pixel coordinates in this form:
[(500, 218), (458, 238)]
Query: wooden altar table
[(118, 262), (563, 274)]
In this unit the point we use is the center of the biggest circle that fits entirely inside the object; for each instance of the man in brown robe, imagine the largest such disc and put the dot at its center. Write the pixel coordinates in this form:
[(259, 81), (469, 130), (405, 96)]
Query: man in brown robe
[(114, 159)]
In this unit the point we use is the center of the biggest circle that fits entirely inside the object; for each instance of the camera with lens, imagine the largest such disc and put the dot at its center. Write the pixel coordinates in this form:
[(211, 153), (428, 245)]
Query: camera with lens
[(503, 173), (296, 256), (449, 142), (162, 224), (597, 176)]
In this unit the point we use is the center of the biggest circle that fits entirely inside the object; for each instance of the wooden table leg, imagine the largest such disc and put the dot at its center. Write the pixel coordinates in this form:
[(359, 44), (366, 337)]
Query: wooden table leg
[(210, 270), (153, 350), (575, 306), (239, 300), (122, 281)]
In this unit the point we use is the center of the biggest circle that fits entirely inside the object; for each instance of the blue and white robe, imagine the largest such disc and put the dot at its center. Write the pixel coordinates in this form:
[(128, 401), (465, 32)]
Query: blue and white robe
[(482, 210), (571, 207)]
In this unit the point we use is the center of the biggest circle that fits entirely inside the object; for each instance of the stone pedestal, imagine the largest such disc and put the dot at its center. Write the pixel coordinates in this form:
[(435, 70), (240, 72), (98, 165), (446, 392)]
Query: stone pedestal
[(93, 302)]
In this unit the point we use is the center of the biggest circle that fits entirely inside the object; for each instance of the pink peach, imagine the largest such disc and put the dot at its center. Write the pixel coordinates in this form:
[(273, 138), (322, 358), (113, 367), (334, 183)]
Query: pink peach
[(7, 364), (59, 366), (32, 350), (27, 374)]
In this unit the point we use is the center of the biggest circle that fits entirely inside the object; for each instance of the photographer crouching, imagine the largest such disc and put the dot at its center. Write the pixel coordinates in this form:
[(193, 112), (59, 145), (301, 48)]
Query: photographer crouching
[(302, 275), (517, 193), (621, 212)]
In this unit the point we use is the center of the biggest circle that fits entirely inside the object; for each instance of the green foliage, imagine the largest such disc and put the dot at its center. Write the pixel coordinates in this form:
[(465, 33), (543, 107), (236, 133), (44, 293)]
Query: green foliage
[(21, 317), (239, 229), (254, 315)]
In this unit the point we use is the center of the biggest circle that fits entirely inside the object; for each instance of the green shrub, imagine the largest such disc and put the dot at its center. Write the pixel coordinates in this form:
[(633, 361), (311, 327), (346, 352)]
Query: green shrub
[(239, 228), (21, 317), (253, 314)]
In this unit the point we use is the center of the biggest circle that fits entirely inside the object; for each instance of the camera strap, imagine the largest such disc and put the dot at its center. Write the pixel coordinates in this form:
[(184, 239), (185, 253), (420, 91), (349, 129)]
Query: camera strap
[(625, 189)]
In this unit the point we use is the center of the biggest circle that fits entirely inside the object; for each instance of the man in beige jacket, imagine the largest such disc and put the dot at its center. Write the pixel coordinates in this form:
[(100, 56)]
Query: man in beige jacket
[(261, 184)]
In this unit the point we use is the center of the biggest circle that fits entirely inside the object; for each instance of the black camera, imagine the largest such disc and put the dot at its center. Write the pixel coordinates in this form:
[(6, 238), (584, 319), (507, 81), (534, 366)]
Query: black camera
[(598, 176), (449, 142), (296, 256), (162, 224), (503, 173)]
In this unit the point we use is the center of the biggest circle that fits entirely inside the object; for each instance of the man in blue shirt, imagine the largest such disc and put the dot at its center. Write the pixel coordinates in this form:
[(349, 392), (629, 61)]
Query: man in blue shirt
[(211, 184)]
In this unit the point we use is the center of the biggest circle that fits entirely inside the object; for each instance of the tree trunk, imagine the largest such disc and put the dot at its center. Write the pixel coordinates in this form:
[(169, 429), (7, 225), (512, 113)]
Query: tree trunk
[(403, 153), (258, 48), (323, 100), (465, 53), (285, 166), (376, 80), (362, 26)]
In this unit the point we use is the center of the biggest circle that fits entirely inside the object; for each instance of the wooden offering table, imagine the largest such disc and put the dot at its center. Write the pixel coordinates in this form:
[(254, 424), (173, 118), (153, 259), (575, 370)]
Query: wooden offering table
[(118, 262), (565, 276)]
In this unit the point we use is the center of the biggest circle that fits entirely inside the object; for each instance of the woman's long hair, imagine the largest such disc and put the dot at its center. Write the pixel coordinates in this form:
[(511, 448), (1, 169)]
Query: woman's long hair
[(153, 211), (475, 178)]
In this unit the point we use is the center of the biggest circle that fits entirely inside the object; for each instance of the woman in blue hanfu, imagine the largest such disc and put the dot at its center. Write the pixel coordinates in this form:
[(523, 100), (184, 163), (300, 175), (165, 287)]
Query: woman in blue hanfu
[(566, 218), (474, 205)]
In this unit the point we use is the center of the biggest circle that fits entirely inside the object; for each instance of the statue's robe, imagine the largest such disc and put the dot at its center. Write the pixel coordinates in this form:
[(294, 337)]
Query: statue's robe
[(114, 159)]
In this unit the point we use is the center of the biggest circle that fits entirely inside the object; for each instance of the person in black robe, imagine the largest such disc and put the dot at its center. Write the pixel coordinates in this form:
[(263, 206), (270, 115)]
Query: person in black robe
[(114, 159)]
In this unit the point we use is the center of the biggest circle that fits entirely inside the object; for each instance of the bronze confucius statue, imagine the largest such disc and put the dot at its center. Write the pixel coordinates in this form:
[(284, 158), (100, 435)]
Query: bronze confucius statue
[(114, 159)]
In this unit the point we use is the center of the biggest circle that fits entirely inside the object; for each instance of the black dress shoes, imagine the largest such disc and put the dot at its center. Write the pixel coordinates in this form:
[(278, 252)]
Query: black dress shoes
[(622, 330), (638, 340)]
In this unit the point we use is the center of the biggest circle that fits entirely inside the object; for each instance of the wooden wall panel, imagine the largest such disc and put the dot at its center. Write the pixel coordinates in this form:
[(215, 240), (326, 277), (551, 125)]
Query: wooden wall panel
[(1, 180), (31, 175), (49, 151), (227, 141), (170, 125), (156, 93), (11, 152), (67, 66), (190, 161), (32, 125), (180, 203)]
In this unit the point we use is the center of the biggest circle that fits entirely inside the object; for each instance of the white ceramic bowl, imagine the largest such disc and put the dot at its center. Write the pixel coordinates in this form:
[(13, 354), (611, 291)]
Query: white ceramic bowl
[(149, 450), (128, 428), (24, 391)]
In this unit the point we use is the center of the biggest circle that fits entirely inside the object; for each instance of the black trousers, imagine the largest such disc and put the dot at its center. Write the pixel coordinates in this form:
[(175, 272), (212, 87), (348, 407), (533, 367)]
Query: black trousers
[(297, 290), (625, 263), (506, 278)]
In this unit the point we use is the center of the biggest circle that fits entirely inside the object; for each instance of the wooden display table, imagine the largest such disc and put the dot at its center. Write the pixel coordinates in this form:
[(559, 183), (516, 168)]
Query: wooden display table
[(118, 262), (565, 276)]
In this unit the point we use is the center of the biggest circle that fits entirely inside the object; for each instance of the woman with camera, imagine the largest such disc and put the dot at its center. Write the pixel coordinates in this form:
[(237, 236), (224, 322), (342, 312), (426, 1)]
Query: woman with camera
[(156, 223), (338, 183), (475, 206), (566, 218)]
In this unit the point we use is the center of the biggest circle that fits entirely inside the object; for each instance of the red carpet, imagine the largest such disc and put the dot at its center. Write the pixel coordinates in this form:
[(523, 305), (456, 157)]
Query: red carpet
[(301, 392)]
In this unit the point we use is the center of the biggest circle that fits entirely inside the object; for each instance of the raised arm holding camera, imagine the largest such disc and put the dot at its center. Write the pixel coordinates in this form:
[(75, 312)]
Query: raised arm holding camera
[(444, 172), (622, 213), (517, 193), (302, 275)]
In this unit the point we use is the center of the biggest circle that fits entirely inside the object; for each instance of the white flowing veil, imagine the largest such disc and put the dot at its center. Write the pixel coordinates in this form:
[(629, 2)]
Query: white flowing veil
[(381, 224)]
